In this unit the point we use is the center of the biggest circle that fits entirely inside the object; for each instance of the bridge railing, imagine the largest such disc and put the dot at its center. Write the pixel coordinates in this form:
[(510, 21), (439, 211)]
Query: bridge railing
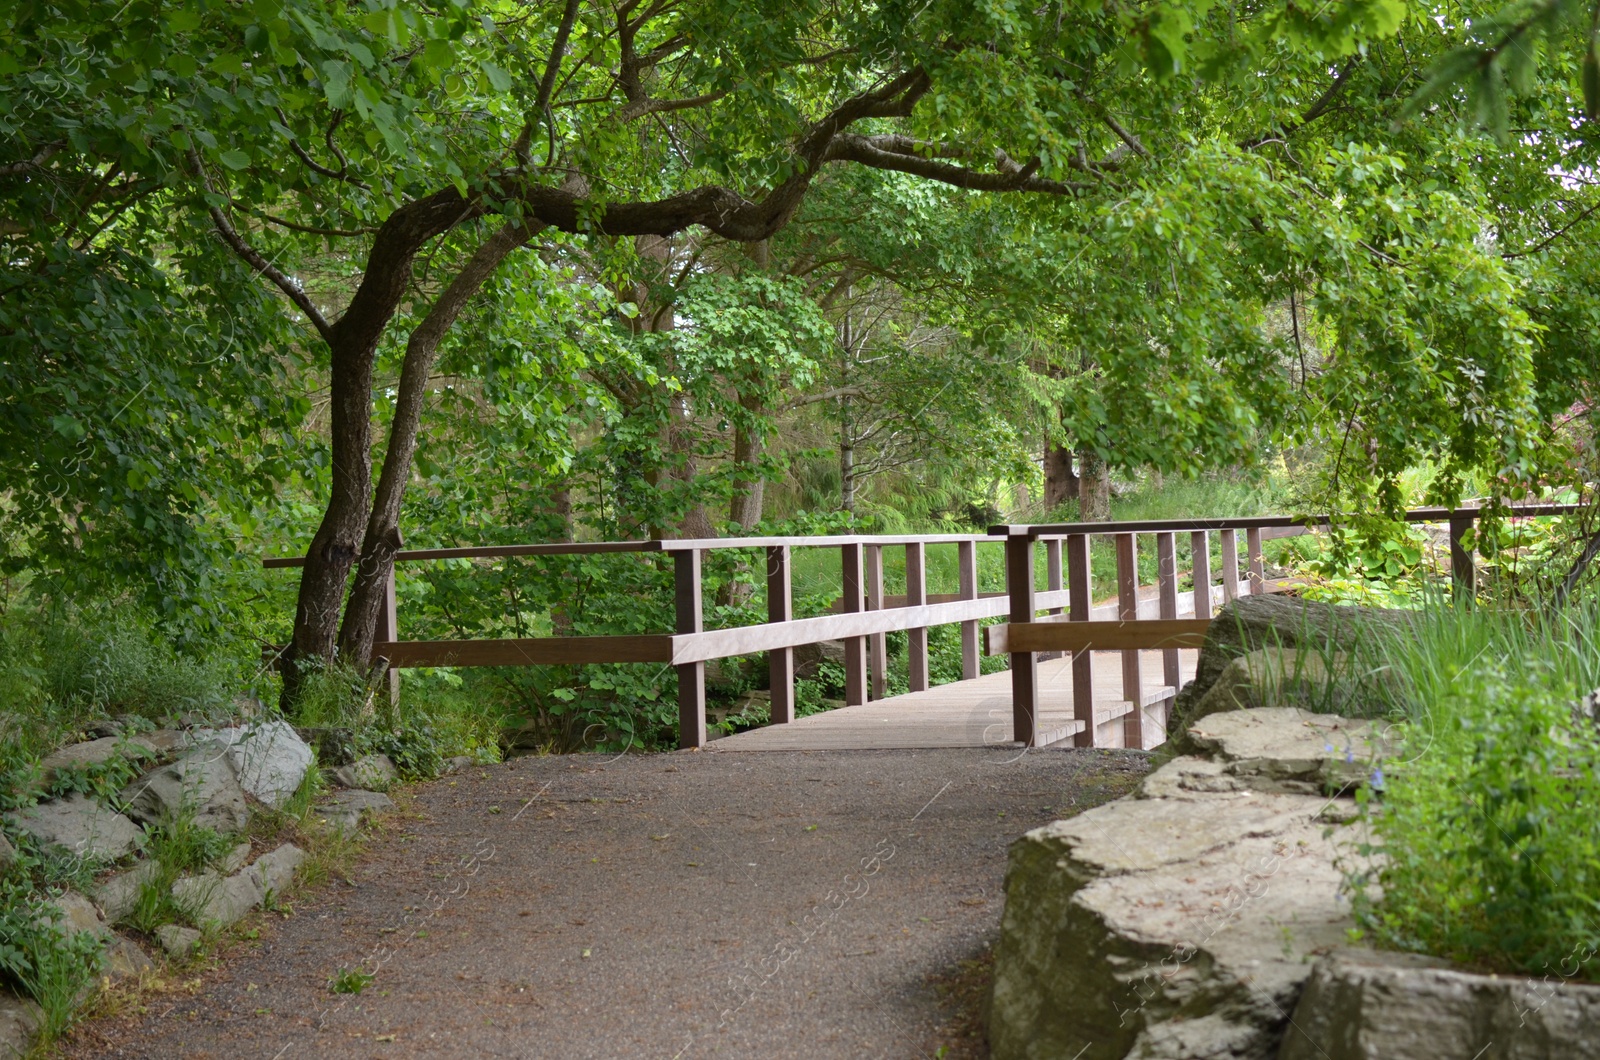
[(1082, 629), (864, 617), (1060, 618)]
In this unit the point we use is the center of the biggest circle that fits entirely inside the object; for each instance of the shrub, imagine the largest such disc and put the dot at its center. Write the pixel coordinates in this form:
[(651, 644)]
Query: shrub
[(1485, 830)]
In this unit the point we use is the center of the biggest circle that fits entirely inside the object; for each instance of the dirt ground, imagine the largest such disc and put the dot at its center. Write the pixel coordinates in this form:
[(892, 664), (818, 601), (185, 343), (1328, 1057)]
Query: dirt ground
[(697, 904)]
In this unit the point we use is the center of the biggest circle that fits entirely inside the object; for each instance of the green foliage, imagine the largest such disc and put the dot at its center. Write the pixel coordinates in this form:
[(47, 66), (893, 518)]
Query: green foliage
[(350, 980), (1488, 847), (39, 958), (176, 847), (1377, 562)]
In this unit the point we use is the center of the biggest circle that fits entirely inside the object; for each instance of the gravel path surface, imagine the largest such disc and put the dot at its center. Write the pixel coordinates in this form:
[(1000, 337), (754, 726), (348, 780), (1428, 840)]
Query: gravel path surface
[(708, 904)]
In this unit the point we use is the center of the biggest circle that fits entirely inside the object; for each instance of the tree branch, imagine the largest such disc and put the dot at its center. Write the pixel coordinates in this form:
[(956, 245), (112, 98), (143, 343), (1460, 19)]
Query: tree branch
[(849, 147), (256, 260)]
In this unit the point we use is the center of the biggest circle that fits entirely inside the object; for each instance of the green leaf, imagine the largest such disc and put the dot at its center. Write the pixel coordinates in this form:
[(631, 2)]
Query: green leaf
[(234, 158)]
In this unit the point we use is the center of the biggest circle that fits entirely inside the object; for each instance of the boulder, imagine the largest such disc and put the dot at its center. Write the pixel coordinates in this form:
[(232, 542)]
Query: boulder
[(1363, 1005), (20, 1020), (78, 826), (234, 859), (808, 658), (1274, 620), (75, 915), (118, 895), (89, 753), (276, 868), (371, 772), (455, 762), (125, 959), (176, 940), (219, 901), (268, 757), (202, 782), (1180, 922), (1279, 677), (347, 809)]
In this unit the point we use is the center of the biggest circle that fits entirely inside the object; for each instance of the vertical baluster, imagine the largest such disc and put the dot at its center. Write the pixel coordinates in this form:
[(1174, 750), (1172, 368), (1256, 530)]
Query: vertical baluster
[(877, 654), (389, 630), (1200, 551), (1258, 570), (691, 676), (855, 648), (1082, 662), (1230, 564), (967, 567), (1024, 669), (780, 608), (1128, 611), (1462, 576), (1052, 581), (916, 637), (1167, 588)]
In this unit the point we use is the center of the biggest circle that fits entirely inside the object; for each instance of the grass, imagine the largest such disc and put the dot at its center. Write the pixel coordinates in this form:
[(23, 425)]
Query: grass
[(1484, 840)]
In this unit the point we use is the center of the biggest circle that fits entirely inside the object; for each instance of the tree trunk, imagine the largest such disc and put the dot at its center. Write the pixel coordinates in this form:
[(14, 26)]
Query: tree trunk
[(382, 538), (749, 488), (1060, 480), (847, 459), (1094, 486)]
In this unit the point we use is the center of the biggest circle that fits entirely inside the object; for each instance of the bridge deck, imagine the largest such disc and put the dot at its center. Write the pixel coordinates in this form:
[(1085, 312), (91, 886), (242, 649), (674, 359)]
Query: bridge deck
[(973, 713)]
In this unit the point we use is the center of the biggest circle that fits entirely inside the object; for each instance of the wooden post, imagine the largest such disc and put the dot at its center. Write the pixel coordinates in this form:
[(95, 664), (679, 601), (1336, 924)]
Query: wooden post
[(1463, 577), (1258, 569), (1128, 611), (877, 653), (780, 608), (916, 596), (855, 648), (389, 629), (1052, 580), (1200, 554), (1167, 587), (691, 676), (1024, 669), (1230, 564), (1080, 599), (967, 566)]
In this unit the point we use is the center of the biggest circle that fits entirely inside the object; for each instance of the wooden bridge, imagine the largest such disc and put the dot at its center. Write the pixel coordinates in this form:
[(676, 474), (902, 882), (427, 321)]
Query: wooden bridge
[(1099, 674)]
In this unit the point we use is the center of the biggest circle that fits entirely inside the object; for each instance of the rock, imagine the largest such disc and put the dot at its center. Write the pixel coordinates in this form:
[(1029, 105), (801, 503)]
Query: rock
[(276, 868), (455, 762), (269, 758), (20, 1020), (79, 826), (118, 895), (1363, 1005), (8, 855), (75, 915), (1288, 749), (1281, 677), (234, 859), (335, 746), (347, 809), (125, 959), (79, 755), (219, 901), (202, 781), (808, 658), (1175, 924), (164, 742), (371, 772), (177, 940), (1274, 620)]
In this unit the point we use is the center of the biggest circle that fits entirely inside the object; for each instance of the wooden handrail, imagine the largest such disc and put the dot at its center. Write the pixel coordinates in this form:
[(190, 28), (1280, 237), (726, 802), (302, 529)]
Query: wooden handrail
[(1039, 531), (1074, 637)]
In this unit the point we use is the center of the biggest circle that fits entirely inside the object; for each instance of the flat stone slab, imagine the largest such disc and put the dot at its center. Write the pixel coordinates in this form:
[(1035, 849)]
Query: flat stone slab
[(1363, 1005), (176, 940), (79, 826), (1293, 750), (370, 772), (220, 901), (345, 811)]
